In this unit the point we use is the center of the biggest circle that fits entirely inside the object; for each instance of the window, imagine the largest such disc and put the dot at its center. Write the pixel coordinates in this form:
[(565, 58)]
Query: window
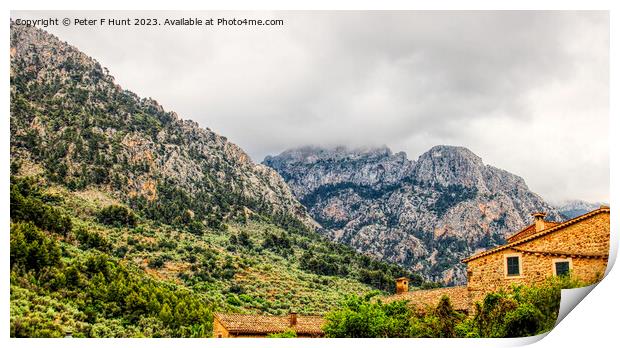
[(513, 266), (562, 267)]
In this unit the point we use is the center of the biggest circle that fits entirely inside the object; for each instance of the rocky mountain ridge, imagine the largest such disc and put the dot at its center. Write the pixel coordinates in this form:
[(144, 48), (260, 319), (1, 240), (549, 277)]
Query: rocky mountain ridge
[(377, 167), (425, 214), (574, 208), (69, 117)]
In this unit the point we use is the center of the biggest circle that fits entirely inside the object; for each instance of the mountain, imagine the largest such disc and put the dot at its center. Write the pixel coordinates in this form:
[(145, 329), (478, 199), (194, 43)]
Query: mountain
[(573, 208), (425, 215), (69, 116), (127, 221)]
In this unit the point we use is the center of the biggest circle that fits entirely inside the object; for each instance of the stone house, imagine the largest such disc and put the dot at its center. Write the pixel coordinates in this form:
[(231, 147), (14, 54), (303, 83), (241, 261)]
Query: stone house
[(579, 246), (252, 325)]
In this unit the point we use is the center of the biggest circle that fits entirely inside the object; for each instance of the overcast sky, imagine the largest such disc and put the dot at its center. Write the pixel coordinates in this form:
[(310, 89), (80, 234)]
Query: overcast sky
[(526, 91)]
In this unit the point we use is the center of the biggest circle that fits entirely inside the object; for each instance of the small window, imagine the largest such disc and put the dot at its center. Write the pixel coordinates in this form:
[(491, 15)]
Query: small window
[(562, 267), (512, 266)]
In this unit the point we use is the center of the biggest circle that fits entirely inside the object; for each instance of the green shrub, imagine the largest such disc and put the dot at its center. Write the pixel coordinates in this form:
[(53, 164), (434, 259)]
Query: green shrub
[(279, 243), (286, 334), (526, 320), (32, 249), (360, 317), (117, 215), (27, 205), (441, 322), (109, 299), (196, 227), (490, 315), (524, 311), (159, 261), (323, 264), (233, 300), (92, 240)]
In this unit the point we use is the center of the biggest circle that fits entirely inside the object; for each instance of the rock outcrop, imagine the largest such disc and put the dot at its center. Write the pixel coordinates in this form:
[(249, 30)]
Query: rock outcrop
[(68, 115), (426, 214)]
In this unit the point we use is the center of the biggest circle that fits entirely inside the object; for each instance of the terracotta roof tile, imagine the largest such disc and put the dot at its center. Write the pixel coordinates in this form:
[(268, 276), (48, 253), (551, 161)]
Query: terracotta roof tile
[(529, 230), (459, 297), (561, 253), (267, 324)]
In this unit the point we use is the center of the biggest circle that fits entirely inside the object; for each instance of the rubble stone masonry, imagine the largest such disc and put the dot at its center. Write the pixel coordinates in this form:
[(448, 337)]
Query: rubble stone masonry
[(583, 242)]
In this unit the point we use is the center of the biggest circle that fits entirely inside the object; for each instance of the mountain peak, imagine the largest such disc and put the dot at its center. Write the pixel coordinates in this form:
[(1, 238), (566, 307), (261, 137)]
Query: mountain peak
[(440, 150), (317, 166), (446, 203), (312, 153), (450, 165)]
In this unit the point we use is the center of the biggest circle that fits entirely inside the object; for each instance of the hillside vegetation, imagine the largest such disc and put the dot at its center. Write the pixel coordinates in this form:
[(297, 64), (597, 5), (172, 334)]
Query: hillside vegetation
[(74, 271), (127, 221), (523, 311)]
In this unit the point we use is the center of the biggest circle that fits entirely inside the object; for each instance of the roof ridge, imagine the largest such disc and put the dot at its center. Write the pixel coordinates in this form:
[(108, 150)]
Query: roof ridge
[(525, 229), (556, 252), (538, 234)]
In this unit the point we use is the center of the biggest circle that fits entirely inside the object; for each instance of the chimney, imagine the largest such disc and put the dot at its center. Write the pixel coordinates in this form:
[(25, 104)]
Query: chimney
[(539, 220), (402, 285), (292, 318)]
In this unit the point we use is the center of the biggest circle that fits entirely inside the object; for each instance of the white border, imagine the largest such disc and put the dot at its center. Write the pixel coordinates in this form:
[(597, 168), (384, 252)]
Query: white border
[(593, 322)]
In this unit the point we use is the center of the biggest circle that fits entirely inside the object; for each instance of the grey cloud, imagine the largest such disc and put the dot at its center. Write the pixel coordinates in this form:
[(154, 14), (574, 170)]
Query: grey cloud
[(512, 86)]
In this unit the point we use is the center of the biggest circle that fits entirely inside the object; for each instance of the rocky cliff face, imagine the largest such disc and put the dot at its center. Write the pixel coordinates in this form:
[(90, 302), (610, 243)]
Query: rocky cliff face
[(376, 167), (426, 214), (573, 208), (69, 118)]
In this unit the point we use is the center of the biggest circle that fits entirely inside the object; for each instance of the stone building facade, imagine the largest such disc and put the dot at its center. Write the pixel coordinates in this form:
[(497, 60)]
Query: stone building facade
[(251, 325), (578, 246)]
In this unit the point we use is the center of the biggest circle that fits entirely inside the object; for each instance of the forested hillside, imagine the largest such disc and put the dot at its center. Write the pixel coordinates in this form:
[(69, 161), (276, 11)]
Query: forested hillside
[(69, 116), (128, 221)]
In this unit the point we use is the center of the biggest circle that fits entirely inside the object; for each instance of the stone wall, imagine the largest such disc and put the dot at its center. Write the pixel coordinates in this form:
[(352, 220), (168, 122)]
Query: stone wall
[(219, 331), (585, 242), (423, 299)]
